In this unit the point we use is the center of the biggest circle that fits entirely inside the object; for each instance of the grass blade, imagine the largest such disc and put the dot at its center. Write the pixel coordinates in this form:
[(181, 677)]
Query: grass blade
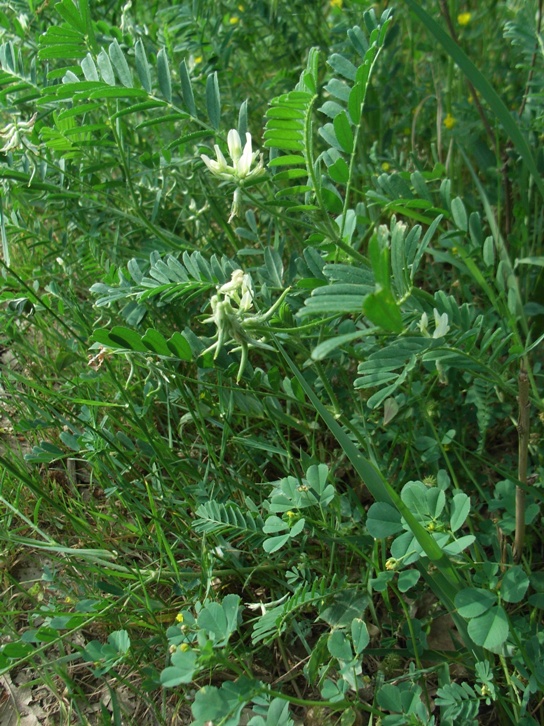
[(480, 82)]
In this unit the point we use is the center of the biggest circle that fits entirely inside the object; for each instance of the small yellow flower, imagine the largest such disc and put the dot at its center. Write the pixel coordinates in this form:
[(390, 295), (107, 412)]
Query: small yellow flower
[(241, 8), (179, 618), (464, 18), (392, 564), (449, 121), (337, 3), (234, 20), (184, 647), (386, 166), (198, 59)]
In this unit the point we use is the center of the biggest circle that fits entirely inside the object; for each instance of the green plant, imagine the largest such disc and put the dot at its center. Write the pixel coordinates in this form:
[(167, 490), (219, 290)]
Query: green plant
[(278, 439)]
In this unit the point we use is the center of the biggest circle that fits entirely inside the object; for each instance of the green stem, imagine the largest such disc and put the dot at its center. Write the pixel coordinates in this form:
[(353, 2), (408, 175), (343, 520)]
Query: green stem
[(333, 705), (410, 625), (337, 411), (523, 449)]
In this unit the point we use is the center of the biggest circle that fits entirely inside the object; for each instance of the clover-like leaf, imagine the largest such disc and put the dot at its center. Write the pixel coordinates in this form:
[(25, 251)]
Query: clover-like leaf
[(490, 630)]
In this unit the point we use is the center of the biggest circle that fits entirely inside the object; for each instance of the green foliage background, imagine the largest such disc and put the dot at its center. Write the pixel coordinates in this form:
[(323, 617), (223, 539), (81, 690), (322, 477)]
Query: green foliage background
[(266, 435)]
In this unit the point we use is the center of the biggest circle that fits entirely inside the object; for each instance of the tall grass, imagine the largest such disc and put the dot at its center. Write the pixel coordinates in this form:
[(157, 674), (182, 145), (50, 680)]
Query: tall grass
[(271, 436)]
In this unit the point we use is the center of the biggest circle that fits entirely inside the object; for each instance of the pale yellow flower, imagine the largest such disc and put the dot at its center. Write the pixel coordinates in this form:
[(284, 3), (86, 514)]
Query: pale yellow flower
[(449, 121), (441, 324), (233, 320), (15, 134), (242, 160)]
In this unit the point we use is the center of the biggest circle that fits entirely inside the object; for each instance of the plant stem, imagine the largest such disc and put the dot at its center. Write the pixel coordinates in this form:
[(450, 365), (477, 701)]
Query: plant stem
[(523, 448)]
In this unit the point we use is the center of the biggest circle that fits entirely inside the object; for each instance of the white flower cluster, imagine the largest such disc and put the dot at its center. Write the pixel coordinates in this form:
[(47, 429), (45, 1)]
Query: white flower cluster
[(15, 134), (240, 171), (242, 160), (231, 316)]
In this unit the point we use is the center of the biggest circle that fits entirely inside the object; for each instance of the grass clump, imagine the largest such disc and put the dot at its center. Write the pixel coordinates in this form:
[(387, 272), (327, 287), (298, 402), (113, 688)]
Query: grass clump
[(271, 324)]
